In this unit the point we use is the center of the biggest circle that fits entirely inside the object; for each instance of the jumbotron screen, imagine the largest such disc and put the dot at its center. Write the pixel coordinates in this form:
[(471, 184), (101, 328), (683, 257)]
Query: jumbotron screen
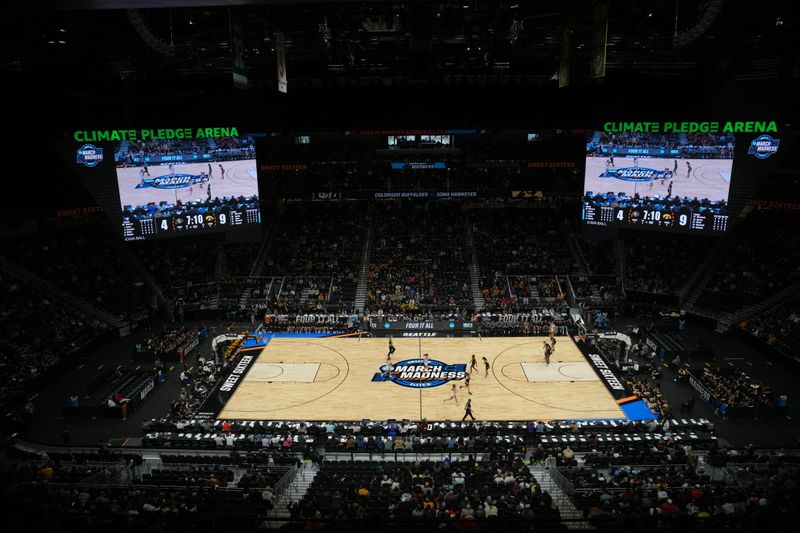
[(182, 186), (673, 182)]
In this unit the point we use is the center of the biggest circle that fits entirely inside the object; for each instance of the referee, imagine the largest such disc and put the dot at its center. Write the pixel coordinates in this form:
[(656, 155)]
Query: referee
[(468, 411)]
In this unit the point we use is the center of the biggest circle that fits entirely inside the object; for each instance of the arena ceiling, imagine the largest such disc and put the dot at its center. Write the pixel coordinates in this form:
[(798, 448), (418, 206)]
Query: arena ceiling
[(97, 44)]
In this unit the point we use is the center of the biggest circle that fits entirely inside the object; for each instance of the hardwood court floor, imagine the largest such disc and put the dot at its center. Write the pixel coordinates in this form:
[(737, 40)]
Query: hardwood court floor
[(331, 379)]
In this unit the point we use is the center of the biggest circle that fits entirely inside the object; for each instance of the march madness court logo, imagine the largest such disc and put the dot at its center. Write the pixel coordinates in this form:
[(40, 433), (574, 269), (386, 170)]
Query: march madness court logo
[(637, 174), (412, 373), (172, 181), (90, 155), (763, 146)]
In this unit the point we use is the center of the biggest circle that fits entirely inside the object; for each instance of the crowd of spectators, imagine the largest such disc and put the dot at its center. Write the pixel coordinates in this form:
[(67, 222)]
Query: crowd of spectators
[(178, 265), (419, 258), (219, 148), (304, 293), (196, 384), (735, 388), (53, 500), (534, 322), (675, 495), (239, 258), (519, 250), (316, 252), (599, 255), (649, 390), (38, 334), (165, 147), (764, 258), (778, 326), (660, 265), (597, 289), (664, 141), (167, 343), (216, 206), (309, 323), (498, 487), (75, 256), (675, 205)]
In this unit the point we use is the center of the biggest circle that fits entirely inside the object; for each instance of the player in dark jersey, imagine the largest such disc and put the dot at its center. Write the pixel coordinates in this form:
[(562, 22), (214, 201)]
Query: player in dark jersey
[(486, 366), (425, 360), (473, 364), (222, 172), (548, 350), (145, 169), (688, 169), (391, 347), (466, 383)]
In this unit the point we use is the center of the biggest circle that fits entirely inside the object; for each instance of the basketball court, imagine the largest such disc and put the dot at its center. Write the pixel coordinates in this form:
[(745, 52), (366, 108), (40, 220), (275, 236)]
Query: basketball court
[(240, 180), (340, 378), (709, 178)]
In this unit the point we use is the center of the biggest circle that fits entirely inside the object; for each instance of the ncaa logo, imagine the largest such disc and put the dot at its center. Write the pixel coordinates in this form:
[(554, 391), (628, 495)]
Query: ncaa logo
[(90, 155), (763, 146), (413, 374)]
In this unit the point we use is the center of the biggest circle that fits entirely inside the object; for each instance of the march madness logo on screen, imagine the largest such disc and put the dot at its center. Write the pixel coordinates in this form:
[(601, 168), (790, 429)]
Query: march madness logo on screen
[(176, 181), (90, 155), (763, 146), (412, 373), (637, 174)]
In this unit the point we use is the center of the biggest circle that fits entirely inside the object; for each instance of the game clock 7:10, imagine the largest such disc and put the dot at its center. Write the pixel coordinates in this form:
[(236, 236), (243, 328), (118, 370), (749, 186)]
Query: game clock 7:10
[(651, 216)]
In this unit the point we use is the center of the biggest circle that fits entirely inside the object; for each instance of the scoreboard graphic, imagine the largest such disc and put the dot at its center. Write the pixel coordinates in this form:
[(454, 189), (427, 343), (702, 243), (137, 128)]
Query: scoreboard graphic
[(672, 182), (183, 186)]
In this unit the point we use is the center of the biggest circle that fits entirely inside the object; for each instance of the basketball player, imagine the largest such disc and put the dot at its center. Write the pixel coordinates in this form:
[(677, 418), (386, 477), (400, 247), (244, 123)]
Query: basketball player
[(547, 352), (391, 346), (669, 190), (486, 366), (141, 177), (146, 171), (466, 383), (473, 364), (468, 410), (389, 366), (688, 169), (425, 360), (635, 161), (453, 394), (675, 169), (171, 169), (222, 172), (611, 160), (210, 171), (208, 190)]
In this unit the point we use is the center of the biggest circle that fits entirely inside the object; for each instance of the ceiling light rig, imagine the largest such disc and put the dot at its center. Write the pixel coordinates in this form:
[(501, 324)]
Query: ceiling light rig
[(514, 30), (326, 32)]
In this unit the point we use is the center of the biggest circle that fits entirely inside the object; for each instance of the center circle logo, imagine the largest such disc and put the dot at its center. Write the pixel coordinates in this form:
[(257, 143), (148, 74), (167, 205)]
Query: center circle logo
[(413, 373)]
